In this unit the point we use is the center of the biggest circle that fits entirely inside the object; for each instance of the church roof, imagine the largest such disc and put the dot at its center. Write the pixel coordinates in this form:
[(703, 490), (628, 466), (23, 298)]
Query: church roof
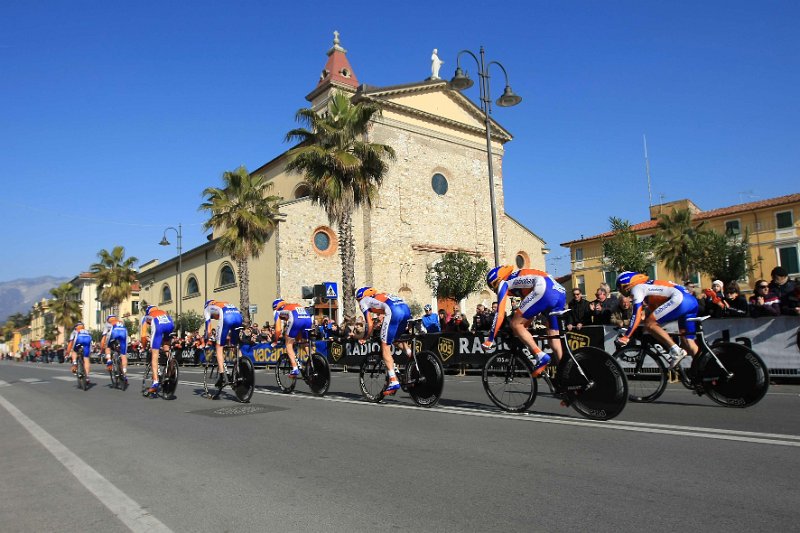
[(337, 71)]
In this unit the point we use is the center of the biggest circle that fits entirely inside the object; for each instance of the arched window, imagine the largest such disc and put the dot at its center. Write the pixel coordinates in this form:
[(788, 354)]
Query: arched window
[(522, 260), (226, 276), (166, 294), (439, 184), (192, 288), (301, 191)]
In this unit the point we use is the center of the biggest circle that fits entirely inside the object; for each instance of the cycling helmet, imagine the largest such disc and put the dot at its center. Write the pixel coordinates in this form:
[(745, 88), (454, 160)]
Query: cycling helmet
[(428, 307), (365, 291), (628, 279), (497, 274), (208, 302), (79, 326), (277, 304), (111, 319), (148, 309)]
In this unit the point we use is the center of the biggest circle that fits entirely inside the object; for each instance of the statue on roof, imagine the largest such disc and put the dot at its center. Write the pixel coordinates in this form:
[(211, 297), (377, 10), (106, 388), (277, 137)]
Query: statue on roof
[(436, 64)]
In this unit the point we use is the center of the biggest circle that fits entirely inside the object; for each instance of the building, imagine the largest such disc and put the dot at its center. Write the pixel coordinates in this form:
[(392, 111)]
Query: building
[(434, 199), (93, 312), (770, 224)]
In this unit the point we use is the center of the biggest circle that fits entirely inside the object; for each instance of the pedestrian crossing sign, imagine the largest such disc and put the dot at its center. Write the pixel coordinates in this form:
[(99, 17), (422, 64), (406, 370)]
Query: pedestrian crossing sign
[(330, 290)]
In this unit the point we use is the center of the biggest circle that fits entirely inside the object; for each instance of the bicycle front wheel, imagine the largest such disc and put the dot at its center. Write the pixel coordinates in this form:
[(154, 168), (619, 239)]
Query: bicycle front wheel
[(318, 374), (425, 379), (645, 370), (601, 391), (244, 379), (749, 376), (508, 381), (372, 378), (285, 382), (170, 379)]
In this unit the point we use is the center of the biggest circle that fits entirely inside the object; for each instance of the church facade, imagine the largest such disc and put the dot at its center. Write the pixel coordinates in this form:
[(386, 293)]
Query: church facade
[(434, 199)]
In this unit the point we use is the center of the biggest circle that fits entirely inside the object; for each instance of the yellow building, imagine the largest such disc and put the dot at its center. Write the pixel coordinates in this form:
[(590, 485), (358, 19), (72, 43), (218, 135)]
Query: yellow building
[(771, 224)]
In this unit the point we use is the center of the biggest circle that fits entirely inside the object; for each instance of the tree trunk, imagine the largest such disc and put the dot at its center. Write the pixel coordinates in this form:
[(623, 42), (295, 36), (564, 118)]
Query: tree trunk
[(244, 289), (347, 253)]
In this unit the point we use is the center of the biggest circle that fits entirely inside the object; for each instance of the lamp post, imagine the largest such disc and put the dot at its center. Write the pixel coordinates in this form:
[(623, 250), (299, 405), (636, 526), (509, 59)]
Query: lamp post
[(462, 81), (165, 242)]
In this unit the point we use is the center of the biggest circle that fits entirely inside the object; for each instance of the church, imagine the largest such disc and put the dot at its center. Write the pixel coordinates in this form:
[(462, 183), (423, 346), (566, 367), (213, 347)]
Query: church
[(435, 198)]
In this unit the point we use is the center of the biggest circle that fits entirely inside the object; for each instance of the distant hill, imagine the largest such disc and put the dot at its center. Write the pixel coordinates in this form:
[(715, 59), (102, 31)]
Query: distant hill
[(19, 295)]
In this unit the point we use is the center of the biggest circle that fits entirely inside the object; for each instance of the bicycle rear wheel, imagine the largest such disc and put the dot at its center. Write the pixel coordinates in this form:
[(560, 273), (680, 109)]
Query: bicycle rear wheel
[(508, 381), (606, 393), (372, 378), (244, 380), (148, 372), (318, 374), (425, 379), (645, 370), (169, 379), (210, 374), (116, 372), (83, 383), (749, 381), (285, 382)]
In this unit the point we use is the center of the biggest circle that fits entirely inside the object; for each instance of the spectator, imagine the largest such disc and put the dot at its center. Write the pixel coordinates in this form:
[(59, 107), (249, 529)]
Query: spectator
[(790, 304), (430, 321), (458, 322), (780, 284), (611, 296), (736, 303), (621, 317), (481, 322), (579, 314), (715, 304), (601, 308), (442, 319), (494, 309), (763, 302)]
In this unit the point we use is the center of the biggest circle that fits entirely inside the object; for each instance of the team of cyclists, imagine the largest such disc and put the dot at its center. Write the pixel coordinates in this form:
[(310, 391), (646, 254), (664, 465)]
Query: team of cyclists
[(538, 292)]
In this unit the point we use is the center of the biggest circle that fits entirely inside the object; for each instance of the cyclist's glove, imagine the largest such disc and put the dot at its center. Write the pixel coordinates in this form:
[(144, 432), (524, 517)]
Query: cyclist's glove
[(621, 341)]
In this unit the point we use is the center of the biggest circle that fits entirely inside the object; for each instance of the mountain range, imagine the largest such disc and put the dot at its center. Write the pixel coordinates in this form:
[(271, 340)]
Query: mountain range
[(19, 295)]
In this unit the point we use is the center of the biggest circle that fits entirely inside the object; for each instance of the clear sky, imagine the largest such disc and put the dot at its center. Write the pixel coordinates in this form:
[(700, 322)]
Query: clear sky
[(114, 116)]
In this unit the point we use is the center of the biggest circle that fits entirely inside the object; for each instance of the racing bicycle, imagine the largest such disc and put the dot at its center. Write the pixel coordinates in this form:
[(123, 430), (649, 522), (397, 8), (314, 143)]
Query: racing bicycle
[(80, 373), (314, 368), (118, 380), (422, 378), (731, 374), (241, 377), (588, 379), (167, 372)]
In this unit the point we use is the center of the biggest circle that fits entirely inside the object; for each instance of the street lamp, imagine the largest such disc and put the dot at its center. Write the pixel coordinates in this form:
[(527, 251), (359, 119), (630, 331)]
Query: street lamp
[(462, 81), (165, 242)]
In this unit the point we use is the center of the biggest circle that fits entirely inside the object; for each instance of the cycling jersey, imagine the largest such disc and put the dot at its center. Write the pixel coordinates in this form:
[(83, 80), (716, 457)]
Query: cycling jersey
[(162, 325), (667, 301), (227, 317), (114, 329), (296, 319), (540, 293), (396, 314), (82, 337)]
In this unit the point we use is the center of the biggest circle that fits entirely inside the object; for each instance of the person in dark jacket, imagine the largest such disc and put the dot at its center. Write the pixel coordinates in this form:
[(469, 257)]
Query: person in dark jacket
[(735, 302), (481, 322), (601, 308), (764, 302), (579, 314)]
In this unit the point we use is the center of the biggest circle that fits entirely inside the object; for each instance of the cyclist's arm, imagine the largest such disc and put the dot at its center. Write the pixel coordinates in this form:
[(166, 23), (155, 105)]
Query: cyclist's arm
[(636, 319), (500, 314), (143, 329), (278, 326)]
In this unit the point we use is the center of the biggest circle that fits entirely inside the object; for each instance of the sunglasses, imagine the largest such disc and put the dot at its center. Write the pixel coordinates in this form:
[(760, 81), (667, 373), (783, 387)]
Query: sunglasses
[(763, 287)]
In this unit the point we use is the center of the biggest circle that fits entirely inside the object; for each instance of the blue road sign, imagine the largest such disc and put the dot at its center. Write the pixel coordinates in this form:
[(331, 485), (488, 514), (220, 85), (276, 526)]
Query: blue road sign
[(331, 292)]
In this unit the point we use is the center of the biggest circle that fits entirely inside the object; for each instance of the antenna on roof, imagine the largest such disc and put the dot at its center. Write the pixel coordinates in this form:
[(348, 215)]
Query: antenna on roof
[(647, 171)]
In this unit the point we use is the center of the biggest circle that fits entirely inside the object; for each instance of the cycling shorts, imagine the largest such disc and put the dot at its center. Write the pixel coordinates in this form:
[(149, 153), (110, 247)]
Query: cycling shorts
[(395, 320), (85, 341), (162, 325), (121, 335), (297, 322), (679, 307), (543, 298), (231, 319)]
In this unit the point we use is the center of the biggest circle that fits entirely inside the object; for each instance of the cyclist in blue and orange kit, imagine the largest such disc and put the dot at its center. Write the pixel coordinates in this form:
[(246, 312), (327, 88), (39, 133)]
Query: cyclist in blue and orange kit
[(295, 321), (162, 325), (115, 330), (395, 317), (80, 336), (540, 293), (667, 302), (228, 318)]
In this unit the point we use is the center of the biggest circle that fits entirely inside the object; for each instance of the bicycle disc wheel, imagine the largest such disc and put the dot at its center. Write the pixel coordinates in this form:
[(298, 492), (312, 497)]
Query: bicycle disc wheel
[(747, 385), (645, 370), (608, 393), (508, 381), (372, 378), (244, 382), (425, 379), (170, 379), (318, 374), (210, 375), (285, 382)]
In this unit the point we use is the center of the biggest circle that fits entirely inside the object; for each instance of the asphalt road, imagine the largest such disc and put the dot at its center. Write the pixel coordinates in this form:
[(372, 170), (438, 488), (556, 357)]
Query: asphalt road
[(113, 461)]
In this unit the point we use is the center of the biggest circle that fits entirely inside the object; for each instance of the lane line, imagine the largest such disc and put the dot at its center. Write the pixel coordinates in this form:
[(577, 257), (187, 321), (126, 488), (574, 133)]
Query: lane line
[(125, 508)]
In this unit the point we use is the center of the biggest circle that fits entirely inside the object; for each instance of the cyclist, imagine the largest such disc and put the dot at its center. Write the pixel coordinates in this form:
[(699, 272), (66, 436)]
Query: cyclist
[(668, 302), (80, 336), (115, 330), (228, 318), (540, 293), (395, 318), (296, 321), (162, 326)]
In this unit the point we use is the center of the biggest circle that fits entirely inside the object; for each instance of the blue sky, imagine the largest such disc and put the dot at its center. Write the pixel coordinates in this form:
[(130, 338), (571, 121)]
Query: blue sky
[(116, 115)]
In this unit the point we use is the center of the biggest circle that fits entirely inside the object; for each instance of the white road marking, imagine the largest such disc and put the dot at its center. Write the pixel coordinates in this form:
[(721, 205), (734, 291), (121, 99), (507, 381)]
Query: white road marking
[(32, 380), (4, 383), (65, 378), (126, 509)]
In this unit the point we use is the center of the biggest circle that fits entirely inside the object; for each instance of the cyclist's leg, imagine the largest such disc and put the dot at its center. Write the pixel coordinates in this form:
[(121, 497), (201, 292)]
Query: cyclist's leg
[(289, 338), (395, 318), (289, 343), (222, 334), (86, 363)]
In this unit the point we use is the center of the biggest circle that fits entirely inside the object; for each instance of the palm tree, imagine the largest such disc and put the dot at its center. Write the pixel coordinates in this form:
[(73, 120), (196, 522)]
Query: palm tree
[(343, 171), (677, 242), (115, 276), (65, 305), (244, 217)]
